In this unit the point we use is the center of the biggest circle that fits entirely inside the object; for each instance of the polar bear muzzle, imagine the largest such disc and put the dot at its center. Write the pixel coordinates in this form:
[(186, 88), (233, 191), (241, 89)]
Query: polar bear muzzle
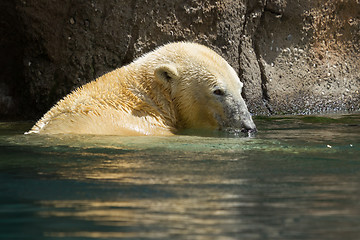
[(236, 114)]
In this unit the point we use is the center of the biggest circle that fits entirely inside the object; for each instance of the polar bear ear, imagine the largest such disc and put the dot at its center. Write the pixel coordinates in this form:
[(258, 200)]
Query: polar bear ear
[(166, 73)]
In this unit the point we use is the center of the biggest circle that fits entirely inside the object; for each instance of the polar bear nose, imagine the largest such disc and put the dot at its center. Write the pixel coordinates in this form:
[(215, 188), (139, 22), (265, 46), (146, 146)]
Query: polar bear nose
[(250, 132), (248, 129), (248, 125)]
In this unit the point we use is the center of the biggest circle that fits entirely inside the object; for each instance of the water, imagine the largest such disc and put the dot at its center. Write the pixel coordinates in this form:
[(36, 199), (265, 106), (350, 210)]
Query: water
[(299, 178)]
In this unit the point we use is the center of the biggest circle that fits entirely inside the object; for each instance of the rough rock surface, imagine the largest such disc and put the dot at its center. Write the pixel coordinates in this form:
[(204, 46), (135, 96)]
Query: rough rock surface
[(293, 56)]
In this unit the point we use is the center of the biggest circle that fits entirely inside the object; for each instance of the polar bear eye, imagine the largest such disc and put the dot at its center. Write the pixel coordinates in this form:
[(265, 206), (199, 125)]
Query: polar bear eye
[(219, 92)]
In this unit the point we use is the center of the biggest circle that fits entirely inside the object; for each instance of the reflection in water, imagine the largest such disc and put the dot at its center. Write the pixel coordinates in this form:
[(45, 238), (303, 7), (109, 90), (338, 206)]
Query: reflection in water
[(286, 183)]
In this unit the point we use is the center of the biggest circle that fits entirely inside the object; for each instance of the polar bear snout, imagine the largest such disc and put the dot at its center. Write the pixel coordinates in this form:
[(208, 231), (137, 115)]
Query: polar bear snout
[(238, 121), (237, 115), (247, 123), (249, 127)]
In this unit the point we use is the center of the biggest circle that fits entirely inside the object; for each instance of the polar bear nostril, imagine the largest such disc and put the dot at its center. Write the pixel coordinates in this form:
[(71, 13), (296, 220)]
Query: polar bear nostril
[(250, 132), (253, 130)]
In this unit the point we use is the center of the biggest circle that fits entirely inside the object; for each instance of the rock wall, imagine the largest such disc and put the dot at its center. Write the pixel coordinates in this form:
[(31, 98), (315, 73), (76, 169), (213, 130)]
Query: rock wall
[(294, 57)]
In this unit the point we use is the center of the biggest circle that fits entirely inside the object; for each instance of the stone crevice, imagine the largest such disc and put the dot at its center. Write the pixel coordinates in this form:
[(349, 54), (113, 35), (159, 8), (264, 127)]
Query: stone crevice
[(264, 80)]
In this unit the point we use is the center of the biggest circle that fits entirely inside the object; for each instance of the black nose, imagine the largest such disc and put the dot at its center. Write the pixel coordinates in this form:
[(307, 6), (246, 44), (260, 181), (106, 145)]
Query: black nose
[(252, 130), (249, 130)]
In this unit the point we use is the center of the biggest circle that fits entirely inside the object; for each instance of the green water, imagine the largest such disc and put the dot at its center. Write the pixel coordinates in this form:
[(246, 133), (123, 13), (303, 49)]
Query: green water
[(298, 178)]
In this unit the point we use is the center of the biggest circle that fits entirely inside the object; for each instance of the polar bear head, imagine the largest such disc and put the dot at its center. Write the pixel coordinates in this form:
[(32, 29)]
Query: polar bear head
[(205, 89)]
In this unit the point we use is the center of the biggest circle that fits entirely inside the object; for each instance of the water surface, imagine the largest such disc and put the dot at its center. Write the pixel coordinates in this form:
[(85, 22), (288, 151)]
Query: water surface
[(299, 178)]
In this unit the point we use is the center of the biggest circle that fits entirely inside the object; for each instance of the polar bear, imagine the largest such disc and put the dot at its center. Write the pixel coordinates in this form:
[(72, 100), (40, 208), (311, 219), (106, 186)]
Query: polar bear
[(177, 86)]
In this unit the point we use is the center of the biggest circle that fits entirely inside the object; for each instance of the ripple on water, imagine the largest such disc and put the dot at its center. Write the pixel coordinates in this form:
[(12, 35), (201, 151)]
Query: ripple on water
[(298, 178)]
